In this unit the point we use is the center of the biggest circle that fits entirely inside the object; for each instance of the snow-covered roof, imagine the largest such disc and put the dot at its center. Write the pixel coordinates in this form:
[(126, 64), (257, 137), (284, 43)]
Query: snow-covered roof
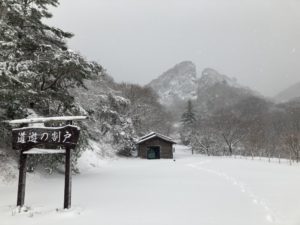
[(153, 135), (47, 119), (44, 151)]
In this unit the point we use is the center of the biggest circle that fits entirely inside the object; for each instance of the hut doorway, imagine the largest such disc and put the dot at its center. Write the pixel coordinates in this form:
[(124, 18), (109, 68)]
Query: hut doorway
[(153, 152)]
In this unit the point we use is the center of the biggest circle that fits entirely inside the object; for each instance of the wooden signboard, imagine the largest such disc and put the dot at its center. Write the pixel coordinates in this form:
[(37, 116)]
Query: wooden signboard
[(47, 137), (27, 138)]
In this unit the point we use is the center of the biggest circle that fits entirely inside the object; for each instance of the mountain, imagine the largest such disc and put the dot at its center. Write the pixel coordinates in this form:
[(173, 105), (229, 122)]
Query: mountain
[(289, 94), (177, 83), (210, 91), (210, 77), (216, 91)]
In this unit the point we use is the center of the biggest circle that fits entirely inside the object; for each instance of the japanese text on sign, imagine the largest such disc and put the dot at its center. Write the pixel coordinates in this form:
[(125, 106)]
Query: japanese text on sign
[(29, 137), (34, 137)]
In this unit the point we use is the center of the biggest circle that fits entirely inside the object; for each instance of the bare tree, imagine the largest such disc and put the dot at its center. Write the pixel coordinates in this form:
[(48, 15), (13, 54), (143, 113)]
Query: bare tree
[(230, 128), (205, 139), (255, 140), (203, 142), (293, 143), (291, 131)]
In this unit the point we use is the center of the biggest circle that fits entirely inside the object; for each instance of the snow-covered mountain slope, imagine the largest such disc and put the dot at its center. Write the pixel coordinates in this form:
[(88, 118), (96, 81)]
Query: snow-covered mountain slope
[(288, 94), (211, 77), (216, 91), (179, 82)]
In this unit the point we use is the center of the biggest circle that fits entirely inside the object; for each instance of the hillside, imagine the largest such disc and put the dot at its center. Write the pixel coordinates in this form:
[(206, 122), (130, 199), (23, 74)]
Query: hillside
[(109, 123), (216, 91), (289, 93)]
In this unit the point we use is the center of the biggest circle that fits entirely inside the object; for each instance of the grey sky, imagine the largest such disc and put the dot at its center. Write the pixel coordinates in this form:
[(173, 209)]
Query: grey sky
[(256, 41)]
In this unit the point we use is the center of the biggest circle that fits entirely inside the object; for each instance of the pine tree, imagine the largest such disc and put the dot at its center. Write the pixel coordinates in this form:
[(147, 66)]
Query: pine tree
[(188, 121), (188, 118), (35, 62)]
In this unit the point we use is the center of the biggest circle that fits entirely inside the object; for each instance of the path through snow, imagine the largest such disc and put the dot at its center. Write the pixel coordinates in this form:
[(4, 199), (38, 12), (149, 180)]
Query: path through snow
[(270, 215)]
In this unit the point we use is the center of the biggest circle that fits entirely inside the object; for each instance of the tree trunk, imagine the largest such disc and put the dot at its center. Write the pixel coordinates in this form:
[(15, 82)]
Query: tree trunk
[(207, 152), (230, 150), (260, 156)]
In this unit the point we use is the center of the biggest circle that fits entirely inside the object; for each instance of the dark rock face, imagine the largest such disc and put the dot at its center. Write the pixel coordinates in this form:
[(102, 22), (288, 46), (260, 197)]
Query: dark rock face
[(179, 82)]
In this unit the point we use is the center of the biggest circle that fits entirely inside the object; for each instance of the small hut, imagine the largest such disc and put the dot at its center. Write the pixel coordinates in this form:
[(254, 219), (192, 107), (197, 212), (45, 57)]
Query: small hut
[(155, 146)]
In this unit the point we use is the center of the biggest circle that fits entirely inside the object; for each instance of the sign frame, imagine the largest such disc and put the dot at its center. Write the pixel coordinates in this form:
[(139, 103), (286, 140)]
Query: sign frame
[(69, 137)]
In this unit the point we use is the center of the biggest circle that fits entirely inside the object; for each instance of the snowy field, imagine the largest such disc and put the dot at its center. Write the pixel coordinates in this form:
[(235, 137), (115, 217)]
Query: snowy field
[(193, 190)]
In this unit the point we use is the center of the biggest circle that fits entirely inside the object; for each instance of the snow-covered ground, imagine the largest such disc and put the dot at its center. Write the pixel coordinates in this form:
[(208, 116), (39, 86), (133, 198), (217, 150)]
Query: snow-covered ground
[(192, 190)]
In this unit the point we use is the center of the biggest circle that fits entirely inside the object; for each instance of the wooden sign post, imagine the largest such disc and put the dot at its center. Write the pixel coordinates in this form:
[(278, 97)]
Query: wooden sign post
[(22, 179), (68, 179), (45, 140)]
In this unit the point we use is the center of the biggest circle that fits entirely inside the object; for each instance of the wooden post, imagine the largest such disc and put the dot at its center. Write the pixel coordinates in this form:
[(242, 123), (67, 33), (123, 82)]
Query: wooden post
[(68, 177), (22, 179), (68, 180)]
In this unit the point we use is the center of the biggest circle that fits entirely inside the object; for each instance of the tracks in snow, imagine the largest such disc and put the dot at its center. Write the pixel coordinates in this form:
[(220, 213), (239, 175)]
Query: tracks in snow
[(270, 215)]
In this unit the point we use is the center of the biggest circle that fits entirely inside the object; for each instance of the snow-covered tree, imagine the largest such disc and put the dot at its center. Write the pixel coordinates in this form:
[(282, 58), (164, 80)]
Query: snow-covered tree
[(188, 117), (109, 122), (146, 112), (35, 62), (188, 120), (205, 140)]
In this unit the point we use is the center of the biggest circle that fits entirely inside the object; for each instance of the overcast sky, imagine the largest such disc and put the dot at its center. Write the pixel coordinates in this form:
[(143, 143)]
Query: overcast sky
[(256, 41)]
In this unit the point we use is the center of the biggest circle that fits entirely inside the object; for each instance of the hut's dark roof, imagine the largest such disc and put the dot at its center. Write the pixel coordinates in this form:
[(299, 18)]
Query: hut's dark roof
[(153, 135)]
